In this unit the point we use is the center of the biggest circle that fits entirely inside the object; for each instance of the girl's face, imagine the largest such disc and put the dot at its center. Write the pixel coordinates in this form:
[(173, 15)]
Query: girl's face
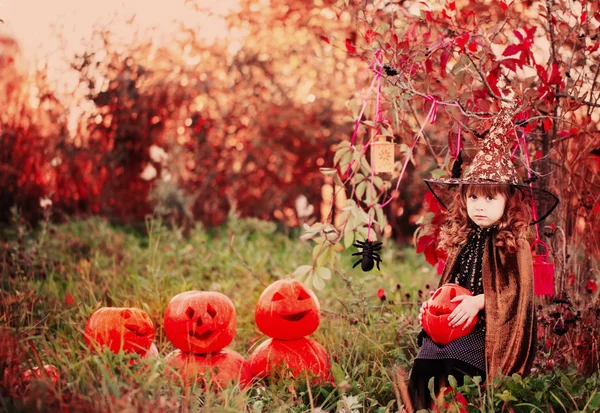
[(485, 209)]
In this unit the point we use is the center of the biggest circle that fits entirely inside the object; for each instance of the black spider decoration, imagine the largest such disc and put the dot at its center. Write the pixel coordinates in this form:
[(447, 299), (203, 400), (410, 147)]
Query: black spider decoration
[(369, 256)]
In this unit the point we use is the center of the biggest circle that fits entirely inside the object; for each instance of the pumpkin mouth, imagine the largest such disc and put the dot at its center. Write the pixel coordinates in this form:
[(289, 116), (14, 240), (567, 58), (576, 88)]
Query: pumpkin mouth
[(137, 330), (202, 336), (438, 311), (294, 317)]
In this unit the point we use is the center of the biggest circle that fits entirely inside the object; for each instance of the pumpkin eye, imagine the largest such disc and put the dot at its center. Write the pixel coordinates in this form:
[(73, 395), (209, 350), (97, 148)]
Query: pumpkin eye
[(211, 311), (303, 296), (190, 312), (452, 293), (126, 314), (438, 292), (277, 297)]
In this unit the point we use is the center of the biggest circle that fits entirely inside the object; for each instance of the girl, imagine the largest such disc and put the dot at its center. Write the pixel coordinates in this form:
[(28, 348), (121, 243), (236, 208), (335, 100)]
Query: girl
[(485, 237)]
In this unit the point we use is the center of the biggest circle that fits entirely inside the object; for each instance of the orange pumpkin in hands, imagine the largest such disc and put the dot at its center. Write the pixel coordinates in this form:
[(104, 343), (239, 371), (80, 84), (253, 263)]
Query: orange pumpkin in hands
[(435, 316), (200, 322), (127, 329), (300, 355), (287, 310), (214, 370)]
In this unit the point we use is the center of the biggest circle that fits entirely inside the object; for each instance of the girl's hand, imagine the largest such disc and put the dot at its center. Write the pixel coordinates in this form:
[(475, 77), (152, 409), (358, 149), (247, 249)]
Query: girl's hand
[(424, 307), (466, 311)]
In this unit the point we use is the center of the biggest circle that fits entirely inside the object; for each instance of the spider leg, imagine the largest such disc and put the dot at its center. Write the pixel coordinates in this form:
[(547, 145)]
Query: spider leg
[(358, 253), (359, 244), (356, 263), (378, 261), (376, 256)]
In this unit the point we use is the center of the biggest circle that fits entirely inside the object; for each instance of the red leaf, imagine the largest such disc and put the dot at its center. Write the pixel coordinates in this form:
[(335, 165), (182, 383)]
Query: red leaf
[(432, 203), (430, 254), (542, 73), (370, 36), (472, 47), (571, 280), (443, 62), (381, 294), (591, 286), (325, 39), (504, 6), (555, 78), (452, 6), (428, 16), (492, 80), (428, 66), (518, 35), (440, 266), (462, 40), (538, 155), (510, 64), (422, 243), (350, 47), (596, 208), (547, 124), (511, 50), (583, 17)]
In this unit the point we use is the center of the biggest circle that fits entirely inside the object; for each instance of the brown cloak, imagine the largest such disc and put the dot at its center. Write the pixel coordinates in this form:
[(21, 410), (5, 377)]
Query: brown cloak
[(509, 308)]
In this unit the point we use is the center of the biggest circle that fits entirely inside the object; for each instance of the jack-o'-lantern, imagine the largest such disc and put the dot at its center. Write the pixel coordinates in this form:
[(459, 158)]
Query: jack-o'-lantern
[(127, 329), (435, 316), (214, 370), (200, 322), (296, 356), (287, 310)]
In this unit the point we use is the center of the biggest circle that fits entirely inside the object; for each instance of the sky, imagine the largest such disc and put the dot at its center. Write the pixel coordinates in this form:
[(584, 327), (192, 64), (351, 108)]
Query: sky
[(35, 23)]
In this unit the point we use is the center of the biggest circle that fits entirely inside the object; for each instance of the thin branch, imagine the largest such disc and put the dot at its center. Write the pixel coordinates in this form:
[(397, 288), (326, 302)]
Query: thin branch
[(485, 82), (585, 102)]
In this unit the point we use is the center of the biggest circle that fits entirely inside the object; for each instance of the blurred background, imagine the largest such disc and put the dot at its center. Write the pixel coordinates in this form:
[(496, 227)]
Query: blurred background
[(197, 108)]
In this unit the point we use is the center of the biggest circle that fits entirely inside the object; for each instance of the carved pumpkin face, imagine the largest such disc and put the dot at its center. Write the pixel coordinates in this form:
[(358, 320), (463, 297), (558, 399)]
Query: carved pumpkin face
[(303, 354), (215, 370), (435, 317), (287, 310), (200, 322), (127, 329)]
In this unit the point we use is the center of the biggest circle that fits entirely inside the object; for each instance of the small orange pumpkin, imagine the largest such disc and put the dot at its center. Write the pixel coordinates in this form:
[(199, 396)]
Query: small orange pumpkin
[(215, 370), (300, 355), (435, 317), (127, 329), (200, 322), (287, 310)]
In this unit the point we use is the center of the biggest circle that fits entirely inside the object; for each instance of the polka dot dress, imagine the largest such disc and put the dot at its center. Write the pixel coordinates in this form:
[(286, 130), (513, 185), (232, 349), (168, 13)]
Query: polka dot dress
[(466, 273)]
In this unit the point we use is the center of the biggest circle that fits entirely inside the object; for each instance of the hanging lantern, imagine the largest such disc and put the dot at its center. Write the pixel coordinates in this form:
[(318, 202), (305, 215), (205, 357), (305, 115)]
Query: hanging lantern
[(382, 155), (543, 272)]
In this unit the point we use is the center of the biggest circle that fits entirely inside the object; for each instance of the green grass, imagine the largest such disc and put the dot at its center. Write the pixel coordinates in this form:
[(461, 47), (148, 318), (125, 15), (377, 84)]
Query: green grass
[(102, 265)]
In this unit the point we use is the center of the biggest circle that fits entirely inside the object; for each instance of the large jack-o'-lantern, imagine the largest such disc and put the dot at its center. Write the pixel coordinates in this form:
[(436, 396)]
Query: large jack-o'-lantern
[(287, 310), (435, 317), (214, 370), (300, 355), (200, 322), (127, 329)]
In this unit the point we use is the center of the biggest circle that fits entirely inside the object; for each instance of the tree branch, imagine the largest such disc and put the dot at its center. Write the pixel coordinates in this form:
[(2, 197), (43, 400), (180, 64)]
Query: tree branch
[(485, 82)]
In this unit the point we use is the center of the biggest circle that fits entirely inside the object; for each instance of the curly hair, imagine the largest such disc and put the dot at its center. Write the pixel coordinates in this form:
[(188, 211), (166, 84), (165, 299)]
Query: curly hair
[(512, 226)]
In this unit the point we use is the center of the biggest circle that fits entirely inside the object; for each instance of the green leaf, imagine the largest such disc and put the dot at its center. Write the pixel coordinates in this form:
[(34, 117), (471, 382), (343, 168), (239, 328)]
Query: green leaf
[(348, 239), (337, 373), (369, 123), (324, 273), (594, 402), (339, 154), (300, 272), (318, 283), (381, 219), (452, 382), (328, 171), (361, 189), (438, 173), (386, 132)]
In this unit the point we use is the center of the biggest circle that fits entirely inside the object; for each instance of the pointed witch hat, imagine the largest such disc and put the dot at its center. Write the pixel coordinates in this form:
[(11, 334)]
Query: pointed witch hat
[(492, 166)]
